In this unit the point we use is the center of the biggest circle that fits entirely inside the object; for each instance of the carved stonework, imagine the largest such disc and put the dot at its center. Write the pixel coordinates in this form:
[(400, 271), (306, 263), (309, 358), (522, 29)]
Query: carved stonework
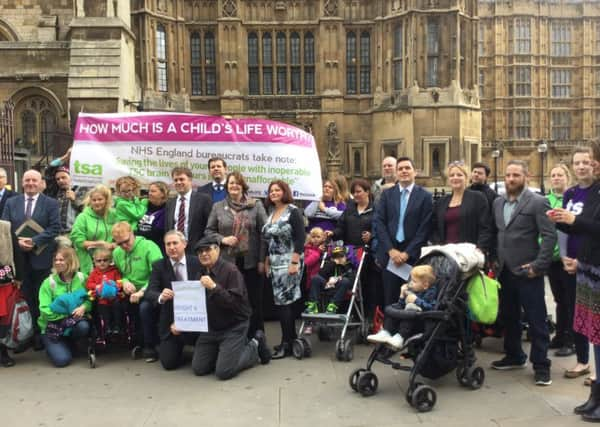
[(333, 142), (330, 8), (229, 8)]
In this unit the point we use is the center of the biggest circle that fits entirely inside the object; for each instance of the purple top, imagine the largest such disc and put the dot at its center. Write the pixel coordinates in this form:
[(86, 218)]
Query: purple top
[(326, 220), (452, 221), (573, 201)]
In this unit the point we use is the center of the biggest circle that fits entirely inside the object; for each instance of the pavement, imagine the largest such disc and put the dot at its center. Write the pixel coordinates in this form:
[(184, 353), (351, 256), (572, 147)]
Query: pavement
[(289, 392)]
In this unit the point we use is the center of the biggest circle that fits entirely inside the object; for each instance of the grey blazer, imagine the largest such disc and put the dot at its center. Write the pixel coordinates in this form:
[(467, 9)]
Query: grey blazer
[(220, 224), (518, 241)]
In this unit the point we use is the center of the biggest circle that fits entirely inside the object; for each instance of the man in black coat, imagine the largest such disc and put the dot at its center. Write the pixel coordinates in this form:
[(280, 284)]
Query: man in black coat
[(188, 212), (479, 176)]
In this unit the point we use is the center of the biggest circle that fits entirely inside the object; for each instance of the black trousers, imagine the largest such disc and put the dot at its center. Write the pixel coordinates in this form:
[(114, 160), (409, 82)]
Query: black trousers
[(254, 286), (171, 349)]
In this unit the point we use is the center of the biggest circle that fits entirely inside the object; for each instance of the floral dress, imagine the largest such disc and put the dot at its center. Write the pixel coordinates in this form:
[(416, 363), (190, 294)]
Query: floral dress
[(280, 247)]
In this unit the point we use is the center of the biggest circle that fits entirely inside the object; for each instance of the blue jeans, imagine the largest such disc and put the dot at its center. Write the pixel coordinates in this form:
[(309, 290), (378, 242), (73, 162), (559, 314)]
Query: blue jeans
[(528, 293), (59, 351)]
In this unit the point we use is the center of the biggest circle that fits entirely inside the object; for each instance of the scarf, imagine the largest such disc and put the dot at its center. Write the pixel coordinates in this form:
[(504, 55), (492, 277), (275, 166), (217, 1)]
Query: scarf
[(241, 223)]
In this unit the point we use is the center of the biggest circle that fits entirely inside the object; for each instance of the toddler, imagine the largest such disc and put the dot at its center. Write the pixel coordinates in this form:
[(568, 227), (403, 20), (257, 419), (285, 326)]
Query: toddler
[(104, 285), (419, 295), (313, 251)]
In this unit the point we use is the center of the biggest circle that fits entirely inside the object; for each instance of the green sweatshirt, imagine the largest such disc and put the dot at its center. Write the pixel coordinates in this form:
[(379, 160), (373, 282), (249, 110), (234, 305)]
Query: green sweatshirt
[(556, 201), (52, 288), (136, 265), (130, 211), (89, 226)]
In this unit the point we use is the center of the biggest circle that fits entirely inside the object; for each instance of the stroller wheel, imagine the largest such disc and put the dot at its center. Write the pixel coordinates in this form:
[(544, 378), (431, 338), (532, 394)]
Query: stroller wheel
[(476, 378), (344, 350), (424, 398), (307, 346), (298, 348), (354, 377), (410, 391), (92, 360), (462, 376), (367, 384)]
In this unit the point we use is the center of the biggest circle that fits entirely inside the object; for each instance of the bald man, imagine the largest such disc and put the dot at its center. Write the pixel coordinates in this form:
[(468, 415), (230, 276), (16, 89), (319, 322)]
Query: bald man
[(38, 250)]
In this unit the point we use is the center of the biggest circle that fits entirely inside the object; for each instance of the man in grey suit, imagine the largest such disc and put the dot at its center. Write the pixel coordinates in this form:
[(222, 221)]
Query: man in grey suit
[(526, 240)]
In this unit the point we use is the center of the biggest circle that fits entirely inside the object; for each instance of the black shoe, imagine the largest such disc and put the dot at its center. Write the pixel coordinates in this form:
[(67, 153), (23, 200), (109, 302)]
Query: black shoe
[(542, 378), (281, 351), (508, 363), (556, 342), (565, 351), (264, 352), (592, 403), (38, 344), (149, 354), (6, 360)]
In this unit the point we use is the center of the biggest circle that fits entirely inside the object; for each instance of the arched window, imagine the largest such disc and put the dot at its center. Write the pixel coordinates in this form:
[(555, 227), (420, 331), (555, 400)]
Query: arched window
[(365, 62), (48, 125), (210, 63), (253, 78), (203, 63), (351, 61), (38, 125), (29, 131), (436, 168), (161, 58), (196, 63)]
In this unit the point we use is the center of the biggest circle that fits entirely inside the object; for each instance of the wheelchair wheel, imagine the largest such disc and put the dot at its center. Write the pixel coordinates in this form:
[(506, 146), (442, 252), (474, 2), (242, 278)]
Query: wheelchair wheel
[(307, 346), (367, 384), (354, 377), (325, 333), (298, 348), (424, 398)]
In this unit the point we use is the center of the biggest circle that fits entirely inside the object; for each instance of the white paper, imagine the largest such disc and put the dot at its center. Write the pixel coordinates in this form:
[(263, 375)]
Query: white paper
[(189, 306), (562, 243), (402, 270)]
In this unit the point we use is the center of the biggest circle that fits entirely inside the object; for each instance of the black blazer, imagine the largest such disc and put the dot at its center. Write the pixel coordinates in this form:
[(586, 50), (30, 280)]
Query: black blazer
[(7, 195), (200, 206), (475, 221), (161, 277)]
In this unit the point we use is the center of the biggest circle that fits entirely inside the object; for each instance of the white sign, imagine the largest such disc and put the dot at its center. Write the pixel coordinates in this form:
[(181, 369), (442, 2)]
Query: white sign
[(189, 306)]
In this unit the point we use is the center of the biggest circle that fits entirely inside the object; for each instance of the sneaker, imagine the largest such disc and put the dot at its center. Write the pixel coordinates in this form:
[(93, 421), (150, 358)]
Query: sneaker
[(264, 352), (311, 307), (380, 337), (565, 351), (507, 363), (150, 355), (331, 308), (308, 330), (396, 341), (542, 378)]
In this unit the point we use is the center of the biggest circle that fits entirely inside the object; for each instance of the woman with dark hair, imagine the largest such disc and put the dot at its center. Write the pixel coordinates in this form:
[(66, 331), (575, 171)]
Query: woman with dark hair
[(152, 224), (585, 223), (284, 236), (325, 212), (236, 222)]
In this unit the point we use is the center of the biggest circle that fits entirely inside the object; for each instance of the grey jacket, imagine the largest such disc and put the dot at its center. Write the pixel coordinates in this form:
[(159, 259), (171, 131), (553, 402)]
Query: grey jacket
[(220, 225), (518, 242)]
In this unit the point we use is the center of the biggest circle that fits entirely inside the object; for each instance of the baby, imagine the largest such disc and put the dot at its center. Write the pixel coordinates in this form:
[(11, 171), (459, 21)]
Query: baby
[(418, 295)]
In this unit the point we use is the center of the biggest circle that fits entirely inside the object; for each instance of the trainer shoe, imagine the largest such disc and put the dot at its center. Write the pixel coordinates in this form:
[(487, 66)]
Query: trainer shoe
[(380, 337), (311, 307), (149, 354), (331, 308), (396, 341), (507, 363), (542, 378), (264, 352)]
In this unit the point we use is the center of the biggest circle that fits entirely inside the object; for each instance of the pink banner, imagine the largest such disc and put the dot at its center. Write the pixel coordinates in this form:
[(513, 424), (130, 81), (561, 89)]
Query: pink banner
[(185, 127)]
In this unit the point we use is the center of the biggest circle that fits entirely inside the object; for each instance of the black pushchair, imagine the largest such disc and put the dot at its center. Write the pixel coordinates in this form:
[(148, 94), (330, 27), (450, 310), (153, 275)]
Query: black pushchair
[(445, 343)]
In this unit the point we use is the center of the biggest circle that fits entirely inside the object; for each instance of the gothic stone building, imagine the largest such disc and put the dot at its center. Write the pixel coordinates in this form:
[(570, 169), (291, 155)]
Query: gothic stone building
[(375, 77)]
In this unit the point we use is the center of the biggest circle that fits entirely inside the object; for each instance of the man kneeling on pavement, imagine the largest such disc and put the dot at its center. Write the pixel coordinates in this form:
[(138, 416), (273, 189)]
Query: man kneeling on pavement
[(224, 349)]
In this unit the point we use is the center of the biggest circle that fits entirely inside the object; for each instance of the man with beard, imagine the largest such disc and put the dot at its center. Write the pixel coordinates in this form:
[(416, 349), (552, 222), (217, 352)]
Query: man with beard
[(479, 175), (520, 218)]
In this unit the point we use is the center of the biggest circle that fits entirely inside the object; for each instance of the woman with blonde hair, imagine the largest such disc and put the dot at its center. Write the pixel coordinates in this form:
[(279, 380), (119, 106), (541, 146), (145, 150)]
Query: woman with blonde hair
[(463, 215), (128, 205), (326, 212), (92, 227)]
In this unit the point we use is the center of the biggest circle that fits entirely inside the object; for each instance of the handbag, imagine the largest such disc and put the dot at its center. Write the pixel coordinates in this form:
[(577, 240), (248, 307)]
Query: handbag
[(483, 298)]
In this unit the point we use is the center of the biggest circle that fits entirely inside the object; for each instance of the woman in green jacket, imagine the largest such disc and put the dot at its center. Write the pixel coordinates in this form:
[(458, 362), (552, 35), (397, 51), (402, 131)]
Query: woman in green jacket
[(92, 227), (64, 305)]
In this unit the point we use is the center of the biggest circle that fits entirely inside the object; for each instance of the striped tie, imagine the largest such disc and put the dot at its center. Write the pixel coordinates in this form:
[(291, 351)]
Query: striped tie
[(181, 215)]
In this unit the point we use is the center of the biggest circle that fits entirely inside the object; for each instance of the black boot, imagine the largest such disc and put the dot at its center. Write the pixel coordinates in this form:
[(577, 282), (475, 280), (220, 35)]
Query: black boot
[(5, 359), (593, 415), (281, 351), (592, 403)]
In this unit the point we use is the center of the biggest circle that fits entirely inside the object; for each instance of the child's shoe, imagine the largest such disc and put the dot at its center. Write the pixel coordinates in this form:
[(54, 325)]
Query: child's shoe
[(311, 307), (396, 341), (411, 306), (380, 337), (331, 308), (308, 330)]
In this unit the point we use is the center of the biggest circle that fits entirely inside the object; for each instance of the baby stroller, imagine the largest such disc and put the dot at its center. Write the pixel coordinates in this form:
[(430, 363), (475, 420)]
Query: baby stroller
[(352, 319), (444, 344)]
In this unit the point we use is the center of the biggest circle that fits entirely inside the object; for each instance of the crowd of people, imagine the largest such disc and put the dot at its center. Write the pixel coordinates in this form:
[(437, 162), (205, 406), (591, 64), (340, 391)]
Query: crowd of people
[(113, 254)]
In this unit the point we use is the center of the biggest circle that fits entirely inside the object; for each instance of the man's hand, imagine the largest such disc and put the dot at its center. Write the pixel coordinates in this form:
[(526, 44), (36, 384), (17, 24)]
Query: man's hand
[(174, 331), (166, 295), (397, 256), (128, 287), (207, 282), (26, 244), (560, 215), (569, 265), (136, 297), (70, 194), (230, 241), (79, 312)]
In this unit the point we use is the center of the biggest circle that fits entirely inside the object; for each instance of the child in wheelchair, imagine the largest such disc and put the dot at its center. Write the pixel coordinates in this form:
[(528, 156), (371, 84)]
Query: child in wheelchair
[(418, 295), (334, 279)]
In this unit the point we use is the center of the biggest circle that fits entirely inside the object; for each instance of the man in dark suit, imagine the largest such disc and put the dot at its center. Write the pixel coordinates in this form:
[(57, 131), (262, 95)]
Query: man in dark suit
[(403, 223), (44, 211), (188, 212), (217, 168), (5, 193), (177, 266), (521, 220)]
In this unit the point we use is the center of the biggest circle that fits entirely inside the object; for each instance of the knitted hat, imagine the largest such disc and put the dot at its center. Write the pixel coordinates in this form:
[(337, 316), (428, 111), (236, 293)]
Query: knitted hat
[(62, 169)]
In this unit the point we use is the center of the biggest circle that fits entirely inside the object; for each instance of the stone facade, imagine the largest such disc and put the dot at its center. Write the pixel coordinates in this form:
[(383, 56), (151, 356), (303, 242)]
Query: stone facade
[(539, 78), (394, 77)]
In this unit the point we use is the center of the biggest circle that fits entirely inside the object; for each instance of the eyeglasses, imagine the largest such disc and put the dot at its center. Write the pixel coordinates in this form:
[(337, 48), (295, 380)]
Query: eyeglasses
[(457, 163), (102, 260), (204, 250)]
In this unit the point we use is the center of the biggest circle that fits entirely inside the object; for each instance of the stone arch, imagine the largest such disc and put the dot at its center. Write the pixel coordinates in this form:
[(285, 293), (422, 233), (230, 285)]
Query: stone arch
[(18, 96), (8, 32)]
